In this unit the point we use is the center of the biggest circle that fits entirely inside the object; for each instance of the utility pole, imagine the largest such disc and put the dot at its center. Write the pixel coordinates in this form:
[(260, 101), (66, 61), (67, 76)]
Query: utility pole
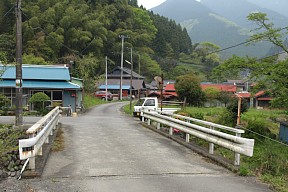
[(131, 76), (19, 92), (122, 56), (138, 76), (106, 69)]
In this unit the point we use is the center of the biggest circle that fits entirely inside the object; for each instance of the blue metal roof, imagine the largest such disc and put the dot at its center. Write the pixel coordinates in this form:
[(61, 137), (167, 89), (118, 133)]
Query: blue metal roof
[(41, 84), (37, 72), (114, 87)]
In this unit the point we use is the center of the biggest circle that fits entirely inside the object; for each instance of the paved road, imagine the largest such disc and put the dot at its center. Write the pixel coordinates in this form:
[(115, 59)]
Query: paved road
[(109, 151)]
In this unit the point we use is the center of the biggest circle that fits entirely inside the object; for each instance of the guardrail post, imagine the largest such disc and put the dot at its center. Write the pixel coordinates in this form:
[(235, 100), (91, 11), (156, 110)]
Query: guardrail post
[(40, 151), (32, 164), (187, 138), (47, 140), (158, 125), (149, 122), (211, 145), (171, 131), (237, 155)]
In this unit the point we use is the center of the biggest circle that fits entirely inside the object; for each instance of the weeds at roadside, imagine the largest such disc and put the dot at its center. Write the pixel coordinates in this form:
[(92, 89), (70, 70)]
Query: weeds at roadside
[(58, 144)]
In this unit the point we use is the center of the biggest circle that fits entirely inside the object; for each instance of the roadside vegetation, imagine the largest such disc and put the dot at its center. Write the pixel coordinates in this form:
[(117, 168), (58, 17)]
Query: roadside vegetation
[(90, 101), (270, 159), (59, 144), (9, 138), (9, 143)]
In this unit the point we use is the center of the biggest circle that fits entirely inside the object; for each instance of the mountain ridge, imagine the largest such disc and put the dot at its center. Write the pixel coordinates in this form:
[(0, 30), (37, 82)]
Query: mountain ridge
[(203, 24)]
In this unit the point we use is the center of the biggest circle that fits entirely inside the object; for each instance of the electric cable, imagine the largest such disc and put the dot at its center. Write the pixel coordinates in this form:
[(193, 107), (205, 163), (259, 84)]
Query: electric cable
[(248, 41), (9, 11), (263, 136)]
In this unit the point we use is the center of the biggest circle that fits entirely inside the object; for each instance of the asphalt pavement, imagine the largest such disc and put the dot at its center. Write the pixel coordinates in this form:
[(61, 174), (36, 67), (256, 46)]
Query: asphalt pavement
[(106, 150)]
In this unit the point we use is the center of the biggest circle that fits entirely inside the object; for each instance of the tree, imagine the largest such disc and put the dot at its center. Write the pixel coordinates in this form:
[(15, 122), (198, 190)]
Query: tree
[(232, 67), (266, 30), (38, 99), (188, 86), (4, 103), (233, 109), (211, 94), (149, 67), (205, 55), (225, 97), (32, 59)]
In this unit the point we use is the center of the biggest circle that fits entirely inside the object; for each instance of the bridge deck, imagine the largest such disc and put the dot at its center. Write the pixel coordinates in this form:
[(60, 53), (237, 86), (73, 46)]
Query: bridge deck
[(106, 150)]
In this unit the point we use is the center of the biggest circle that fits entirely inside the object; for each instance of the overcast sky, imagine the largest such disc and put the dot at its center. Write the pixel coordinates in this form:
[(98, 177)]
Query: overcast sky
[(148, 4)]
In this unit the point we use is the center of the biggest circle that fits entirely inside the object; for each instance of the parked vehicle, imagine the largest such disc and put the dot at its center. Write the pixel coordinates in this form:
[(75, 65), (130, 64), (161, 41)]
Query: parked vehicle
[(150, 103), (102, 95)]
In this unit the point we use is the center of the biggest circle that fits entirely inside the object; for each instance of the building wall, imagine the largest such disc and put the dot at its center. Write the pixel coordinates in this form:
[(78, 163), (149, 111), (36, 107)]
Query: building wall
[(58, 97)]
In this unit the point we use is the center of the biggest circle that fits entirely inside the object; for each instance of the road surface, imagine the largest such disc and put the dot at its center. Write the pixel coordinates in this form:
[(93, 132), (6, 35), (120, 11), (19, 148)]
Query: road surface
[(106, 150)]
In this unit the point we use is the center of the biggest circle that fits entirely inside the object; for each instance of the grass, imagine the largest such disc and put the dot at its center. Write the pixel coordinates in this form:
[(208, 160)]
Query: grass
[(90, 101), (270, 160), (127, 110), (9, 138), (270, 118), (59, 142)]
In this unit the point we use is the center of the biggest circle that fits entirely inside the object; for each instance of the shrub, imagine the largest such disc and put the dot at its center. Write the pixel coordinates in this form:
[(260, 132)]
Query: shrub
[(38, 100), (198, 116), (233, 109), (259, 127)]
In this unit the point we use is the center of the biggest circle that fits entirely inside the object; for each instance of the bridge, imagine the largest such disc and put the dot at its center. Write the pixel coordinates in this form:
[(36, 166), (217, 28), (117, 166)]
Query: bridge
[(107, 150)]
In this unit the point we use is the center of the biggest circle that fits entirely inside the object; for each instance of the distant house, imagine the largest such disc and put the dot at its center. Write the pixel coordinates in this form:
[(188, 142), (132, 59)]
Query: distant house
[(231, 88), (262, 99), (153, 85), (54, 81), (241, 85), (169, 92), (113, 82), (247, 97)]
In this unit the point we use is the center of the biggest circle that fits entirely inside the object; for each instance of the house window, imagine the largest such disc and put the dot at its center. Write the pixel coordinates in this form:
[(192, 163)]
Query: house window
[(57, 95)]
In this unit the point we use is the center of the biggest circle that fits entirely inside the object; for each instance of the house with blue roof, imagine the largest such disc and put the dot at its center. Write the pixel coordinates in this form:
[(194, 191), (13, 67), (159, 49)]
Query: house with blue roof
[(113, 82), (54, 81)]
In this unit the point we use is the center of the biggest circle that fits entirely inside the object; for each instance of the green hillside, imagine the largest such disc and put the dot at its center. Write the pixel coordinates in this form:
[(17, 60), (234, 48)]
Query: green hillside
[(203, 24)]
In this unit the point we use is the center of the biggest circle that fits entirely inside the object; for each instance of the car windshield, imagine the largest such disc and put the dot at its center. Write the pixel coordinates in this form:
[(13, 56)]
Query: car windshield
[(140, 102)]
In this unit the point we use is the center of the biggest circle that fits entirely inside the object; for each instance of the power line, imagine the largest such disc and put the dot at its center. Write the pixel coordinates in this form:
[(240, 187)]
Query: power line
[(264, 136), (283, 52), (248, 41), (9, 11)]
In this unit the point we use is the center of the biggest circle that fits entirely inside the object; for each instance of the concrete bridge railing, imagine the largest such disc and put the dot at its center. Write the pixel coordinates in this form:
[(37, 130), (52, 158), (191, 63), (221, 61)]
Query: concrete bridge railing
[(38, 135), (230, 139)]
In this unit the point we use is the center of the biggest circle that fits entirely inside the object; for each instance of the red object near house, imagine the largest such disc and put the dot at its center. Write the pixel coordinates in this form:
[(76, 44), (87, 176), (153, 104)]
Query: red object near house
[(102, 95), (244, 95)]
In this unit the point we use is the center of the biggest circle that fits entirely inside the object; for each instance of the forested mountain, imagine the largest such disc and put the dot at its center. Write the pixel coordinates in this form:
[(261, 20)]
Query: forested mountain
[(279, 6), (205, 24), (238, 10), (85, 31)]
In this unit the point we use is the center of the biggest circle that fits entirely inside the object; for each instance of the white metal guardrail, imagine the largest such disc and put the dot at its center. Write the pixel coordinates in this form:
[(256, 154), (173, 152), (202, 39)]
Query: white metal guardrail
[(38, 135), (234, 143)]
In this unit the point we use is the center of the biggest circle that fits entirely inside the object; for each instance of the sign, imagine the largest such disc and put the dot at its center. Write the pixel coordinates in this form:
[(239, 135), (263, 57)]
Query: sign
[(18, 83)]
